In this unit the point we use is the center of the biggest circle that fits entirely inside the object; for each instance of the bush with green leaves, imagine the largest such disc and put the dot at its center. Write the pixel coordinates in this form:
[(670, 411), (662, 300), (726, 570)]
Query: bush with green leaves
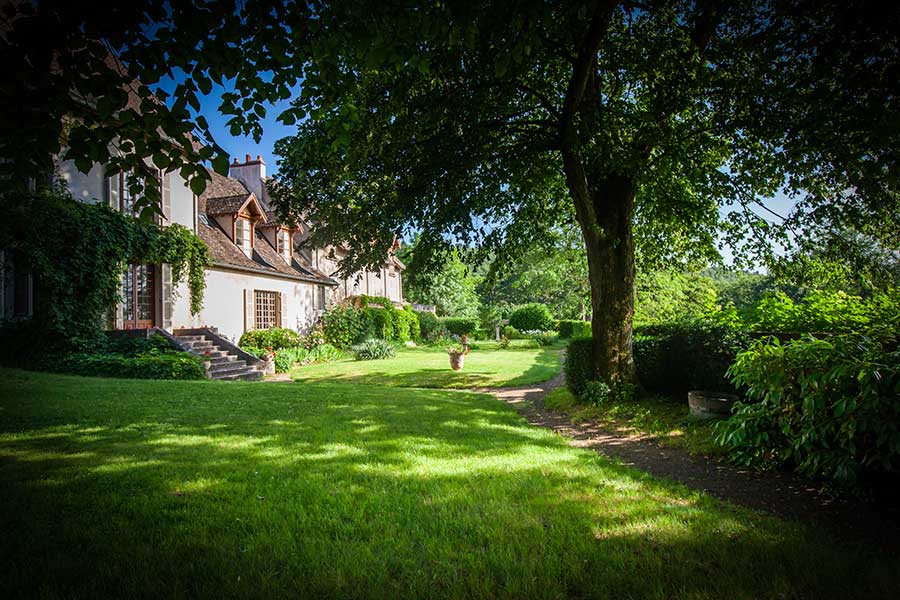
[(826, 312), (512, 333), (429, 324), (374, 349), (566, 328), (341, 325), (151, 364), (674, 358), (533, 316), (577, 368), (275, 338), (829, 407), (460, 325)]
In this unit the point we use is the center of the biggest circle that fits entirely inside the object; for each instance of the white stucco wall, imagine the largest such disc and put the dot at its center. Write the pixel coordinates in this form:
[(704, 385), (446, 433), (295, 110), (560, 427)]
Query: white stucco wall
[(223, 305), (183, 202)]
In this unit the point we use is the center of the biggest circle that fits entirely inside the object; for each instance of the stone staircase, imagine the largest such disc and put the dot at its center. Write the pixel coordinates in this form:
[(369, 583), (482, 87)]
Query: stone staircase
[(221, 362)]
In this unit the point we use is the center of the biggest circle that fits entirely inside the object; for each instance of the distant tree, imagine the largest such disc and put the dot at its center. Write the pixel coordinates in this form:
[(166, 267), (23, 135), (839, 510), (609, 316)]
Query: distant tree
[(664, 296), (451, 287), (554, 273)]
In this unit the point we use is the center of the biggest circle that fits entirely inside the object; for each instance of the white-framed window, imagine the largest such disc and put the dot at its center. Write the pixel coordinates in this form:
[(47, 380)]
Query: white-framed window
[(243, 237), (320, 297), (283, 240)]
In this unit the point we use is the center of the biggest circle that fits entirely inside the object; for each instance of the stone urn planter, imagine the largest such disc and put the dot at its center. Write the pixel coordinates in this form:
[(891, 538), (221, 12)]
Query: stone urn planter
[(457, 359), (711, 405)]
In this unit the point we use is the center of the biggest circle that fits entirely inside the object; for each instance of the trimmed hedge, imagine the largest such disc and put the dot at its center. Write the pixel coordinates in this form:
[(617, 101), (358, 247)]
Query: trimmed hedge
[(460, 325), (577, 367), (532, 317), (429, 324), (674, 358), (573, 329)]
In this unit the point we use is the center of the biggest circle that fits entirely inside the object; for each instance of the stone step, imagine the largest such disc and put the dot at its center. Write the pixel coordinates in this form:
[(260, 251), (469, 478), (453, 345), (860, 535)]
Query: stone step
[(233, 365), (245, 374), (190, 338), (223, 358), (198, 345)]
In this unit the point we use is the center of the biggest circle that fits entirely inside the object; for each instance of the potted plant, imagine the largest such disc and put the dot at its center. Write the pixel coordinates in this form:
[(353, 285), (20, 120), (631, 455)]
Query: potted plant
[(457, 356)]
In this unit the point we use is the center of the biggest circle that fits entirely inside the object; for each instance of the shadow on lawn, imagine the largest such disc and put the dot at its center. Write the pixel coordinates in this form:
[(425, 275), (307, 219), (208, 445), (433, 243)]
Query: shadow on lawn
[(352, 491)]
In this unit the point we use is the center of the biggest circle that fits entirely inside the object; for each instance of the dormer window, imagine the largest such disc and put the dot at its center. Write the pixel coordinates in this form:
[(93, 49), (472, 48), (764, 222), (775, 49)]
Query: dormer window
[(284, 242), (243, 236)]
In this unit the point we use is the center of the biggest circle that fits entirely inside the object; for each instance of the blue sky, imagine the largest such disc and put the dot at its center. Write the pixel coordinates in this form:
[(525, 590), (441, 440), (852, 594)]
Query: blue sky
[(273, 130)]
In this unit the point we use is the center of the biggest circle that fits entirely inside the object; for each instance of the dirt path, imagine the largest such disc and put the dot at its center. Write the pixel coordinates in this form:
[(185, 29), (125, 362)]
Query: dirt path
[(783, 494)]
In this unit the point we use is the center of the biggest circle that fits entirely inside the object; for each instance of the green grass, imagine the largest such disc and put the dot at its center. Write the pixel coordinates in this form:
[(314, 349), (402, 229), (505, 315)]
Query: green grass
[(115, 488), (666, 419), (487, 365)]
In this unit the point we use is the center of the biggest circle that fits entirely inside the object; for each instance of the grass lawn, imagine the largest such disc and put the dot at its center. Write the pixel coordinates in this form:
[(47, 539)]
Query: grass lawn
[(667, 419), (117, 488), (487, 365)]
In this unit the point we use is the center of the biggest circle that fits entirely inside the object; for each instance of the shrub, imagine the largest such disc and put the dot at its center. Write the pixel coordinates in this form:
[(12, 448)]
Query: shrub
[(460, 325), (275, 338), (828, 407), (341, 325), (596, 393), (677, 357), (323, 353), (504, 342), (284, 359), (429, 323), (151, 364), (566, 328), (577, 367), (534, 316), (407, 325), (581, 329), (511, 332), (373, 349)]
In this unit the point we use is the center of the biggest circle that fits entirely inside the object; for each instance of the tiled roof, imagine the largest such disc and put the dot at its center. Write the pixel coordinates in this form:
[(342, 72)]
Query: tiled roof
[(223, 187), (225, 205), (265, 260)]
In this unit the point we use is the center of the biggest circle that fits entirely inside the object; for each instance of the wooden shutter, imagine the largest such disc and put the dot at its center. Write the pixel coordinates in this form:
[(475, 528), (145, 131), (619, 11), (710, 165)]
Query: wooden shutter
[(168, 293), (249, 310), (166, 198), (278, 309), (112, 191)]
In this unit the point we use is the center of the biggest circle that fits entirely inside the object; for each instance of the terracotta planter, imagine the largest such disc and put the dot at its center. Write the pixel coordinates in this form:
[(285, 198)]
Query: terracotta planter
[(711, 405), (457, 360)]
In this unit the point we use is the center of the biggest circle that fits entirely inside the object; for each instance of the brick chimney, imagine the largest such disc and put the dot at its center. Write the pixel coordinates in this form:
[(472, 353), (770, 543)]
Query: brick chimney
[(252, 173)]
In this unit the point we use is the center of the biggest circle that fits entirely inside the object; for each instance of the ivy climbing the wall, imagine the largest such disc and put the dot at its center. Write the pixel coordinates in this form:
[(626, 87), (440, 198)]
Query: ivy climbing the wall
[(77, 253)]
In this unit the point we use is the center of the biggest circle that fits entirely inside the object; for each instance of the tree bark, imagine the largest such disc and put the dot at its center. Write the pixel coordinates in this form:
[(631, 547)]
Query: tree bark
[(609, 243)]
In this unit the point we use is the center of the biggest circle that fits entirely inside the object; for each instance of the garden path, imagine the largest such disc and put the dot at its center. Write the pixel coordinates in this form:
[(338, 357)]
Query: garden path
[(875, 519)]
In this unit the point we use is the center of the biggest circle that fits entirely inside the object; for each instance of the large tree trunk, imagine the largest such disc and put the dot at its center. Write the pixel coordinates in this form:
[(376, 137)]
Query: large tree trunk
[(610, 252)]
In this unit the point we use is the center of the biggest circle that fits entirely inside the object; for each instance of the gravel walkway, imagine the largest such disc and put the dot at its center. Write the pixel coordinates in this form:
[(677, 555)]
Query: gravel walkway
[(784, 494)]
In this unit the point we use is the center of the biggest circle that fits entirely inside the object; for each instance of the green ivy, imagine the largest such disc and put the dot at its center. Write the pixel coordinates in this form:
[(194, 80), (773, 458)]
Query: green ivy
[(77, 253)]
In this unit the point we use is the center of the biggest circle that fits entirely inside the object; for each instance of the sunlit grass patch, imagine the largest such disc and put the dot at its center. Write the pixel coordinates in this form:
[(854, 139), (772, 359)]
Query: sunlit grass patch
[(157, 489)]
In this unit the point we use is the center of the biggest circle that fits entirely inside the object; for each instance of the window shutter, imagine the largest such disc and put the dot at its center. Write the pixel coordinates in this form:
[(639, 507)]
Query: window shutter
[(166, 198), (112, 191), (278, 309), (249, 314), (167, 294)]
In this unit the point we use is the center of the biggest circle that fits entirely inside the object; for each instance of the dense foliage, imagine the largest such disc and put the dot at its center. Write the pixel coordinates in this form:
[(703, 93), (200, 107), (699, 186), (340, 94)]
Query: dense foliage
[(825, 312), (131, 358), (374, 349), (572, 329), (675, 358), (77, 252), (448, 283), (460, 325), (345, 325), (577, 368), (827, 406), (531, 317), (275, 338)]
